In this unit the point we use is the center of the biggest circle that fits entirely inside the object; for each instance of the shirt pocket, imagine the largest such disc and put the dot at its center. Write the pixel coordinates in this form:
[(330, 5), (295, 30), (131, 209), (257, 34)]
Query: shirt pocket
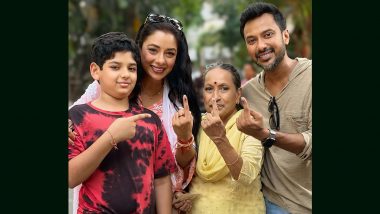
[(298, 121)]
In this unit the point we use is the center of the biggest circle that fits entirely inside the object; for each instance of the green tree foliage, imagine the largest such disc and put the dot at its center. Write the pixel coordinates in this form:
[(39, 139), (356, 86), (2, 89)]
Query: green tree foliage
[(91, 18), (229, 35)]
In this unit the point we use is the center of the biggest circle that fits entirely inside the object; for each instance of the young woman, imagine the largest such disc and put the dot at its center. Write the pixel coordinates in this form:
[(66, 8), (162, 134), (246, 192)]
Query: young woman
[(164, 78)]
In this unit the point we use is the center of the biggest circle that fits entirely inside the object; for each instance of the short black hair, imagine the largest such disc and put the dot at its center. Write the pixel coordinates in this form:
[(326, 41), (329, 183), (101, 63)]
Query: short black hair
[(257, 9), (105, 46)]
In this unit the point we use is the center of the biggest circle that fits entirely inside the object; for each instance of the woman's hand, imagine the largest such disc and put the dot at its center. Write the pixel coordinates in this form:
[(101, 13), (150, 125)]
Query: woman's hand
[(182, 205), (212, 125), (182, 121)]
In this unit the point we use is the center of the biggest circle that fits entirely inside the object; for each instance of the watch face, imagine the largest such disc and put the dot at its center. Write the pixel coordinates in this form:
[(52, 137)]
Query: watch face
[(269, 142)]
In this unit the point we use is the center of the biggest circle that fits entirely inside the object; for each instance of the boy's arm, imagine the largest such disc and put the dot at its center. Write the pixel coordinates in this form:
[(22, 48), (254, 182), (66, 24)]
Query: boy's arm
[(163, 191), (84, 164)]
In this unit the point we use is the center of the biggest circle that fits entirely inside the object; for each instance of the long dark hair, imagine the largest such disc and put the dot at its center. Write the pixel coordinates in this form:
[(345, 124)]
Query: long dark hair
[(179, 79)]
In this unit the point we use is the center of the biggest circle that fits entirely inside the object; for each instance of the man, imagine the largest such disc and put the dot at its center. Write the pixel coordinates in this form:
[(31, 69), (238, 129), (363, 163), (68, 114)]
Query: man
[(278, 111)]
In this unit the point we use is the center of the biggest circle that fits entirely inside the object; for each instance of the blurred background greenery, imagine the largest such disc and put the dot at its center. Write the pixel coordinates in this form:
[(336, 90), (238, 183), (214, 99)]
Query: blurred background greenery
[(211, 28)]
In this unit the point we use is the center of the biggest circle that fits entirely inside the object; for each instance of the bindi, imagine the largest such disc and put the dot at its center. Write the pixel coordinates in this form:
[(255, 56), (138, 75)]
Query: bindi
[(215, 83)]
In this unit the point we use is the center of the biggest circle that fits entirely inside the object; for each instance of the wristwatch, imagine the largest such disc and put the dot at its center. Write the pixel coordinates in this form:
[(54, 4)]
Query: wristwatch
[(269, 141)]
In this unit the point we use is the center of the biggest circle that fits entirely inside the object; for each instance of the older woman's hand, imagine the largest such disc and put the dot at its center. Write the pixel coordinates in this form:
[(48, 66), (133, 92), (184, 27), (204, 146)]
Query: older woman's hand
[(212, 125)]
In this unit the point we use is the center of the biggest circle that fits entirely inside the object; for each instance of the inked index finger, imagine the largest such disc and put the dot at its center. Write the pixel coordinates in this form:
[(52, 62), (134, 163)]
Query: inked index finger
[(215, 111), (245, 105), (139, 117), (185, 105)]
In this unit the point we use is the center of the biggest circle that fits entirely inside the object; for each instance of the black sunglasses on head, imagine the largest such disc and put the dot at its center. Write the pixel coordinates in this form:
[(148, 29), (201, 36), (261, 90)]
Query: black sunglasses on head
[(274, 120), (154, 18)]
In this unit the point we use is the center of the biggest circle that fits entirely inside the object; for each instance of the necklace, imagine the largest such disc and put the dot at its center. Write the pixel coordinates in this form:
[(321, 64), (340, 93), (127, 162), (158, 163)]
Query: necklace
[(153, 95)]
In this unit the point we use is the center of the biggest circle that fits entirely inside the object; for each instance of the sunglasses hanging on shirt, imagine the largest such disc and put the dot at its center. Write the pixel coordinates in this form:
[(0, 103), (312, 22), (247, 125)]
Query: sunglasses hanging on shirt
[(274, 120)]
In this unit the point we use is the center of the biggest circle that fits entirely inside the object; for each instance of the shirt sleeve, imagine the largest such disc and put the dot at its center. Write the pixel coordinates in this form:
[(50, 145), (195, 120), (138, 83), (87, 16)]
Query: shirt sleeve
[(252, 154), (77, 147), (164, 160), (306, 154)]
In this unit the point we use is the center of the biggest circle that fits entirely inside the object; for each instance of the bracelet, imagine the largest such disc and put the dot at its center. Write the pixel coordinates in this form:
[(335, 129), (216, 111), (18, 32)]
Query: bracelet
[(185, 144), (113, 143), (230, 164)]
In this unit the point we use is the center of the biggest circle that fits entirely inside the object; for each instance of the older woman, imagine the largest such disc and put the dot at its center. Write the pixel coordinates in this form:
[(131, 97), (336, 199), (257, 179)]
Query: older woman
[(229, 161)]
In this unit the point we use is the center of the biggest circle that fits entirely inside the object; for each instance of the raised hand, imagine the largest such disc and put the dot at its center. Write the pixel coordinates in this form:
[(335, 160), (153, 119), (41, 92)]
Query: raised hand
[(125, 127), (250, 122), (212, 125), (182, 121)]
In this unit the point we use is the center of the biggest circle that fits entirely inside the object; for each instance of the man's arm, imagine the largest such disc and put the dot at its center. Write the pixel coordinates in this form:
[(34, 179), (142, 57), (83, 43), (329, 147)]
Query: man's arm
[(251, 122), (163, 191), (293, 143)]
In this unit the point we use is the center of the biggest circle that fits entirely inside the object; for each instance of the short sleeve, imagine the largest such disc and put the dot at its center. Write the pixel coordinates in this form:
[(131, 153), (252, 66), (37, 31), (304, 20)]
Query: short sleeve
[(77, 147)]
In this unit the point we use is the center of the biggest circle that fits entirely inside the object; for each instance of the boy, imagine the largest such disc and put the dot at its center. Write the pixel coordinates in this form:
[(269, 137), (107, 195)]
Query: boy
[(121, 152)]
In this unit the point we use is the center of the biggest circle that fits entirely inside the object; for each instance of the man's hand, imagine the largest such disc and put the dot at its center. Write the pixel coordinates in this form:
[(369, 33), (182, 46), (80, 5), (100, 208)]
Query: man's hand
[(250, 122)]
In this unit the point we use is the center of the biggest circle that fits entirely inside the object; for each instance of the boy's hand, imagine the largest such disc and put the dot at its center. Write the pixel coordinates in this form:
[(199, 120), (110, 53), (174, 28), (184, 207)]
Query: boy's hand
[(125, 128), (182, 121), (212, 125)]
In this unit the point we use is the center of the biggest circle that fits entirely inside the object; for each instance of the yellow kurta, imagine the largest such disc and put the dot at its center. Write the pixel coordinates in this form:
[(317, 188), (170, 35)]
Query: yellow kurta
[(219, 192)]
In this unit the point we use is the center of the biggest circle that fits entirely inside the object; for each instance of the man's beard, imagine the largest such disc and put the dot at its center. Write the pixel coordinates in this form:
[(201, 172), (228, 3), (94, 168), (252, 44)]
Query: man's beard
[(277, 60)]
